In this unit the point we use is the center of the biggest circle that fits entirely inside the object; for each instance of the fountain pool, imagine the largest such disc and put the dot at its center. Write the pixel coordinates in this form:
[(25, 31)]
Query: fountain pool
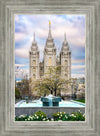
[(38, 103)]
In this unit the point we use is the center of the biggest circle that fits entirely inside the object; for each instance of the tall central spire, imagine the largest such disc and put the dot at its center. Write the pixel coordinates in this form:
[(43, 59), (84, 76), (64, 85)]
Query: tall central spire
[(49, 41), (34, 42), (65, 41), (49, 35)]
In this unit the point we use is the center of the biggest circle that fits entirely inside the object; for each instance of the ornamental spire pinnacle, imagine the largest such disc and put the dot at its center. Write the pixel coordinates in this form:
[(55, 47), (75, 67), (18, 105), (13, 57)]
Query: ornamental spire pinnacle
[(34, 42), (65, 37), (34, 37), (49, 35), (65, 41)]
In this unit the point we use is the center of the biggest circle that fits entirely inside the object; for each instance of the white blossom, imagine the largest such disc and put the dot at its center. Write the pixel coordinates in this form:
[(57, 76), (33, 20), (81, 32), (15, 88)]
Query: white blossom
[(83, 115), (21, 116), (44, 119), (52, 119)]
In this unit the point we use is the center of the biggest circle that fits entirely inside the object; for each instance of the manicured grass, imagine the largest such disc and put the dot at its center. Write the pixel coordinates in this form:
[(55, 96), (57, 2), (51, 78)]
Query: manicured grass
[(83, 101)]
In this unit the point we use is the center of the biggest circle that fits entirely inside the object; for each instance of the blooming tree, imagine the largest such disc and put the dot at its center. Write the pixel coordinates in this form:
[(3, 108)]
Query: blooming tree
[(51, 83)]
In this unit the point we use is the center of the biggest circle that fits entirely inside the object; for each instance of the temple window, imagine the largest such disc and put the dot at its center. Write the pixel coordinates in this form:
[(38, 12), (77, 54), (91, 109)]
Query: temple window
[(66, 70), (50, 61), (34, 75), (66, 62), (34, 69), (34, 62)]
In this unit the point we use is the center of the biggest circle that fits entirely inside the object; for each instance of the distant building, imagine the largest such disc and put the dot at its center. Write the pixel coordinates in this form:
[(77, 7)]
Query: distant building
[(78, 88), (38, 69), (23, 87), (81, 80)]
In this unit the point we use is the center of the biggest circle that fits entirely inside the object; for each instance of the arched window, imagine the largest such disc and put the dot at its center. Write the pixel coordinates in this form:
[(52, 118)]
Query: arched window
[(34, 69), (34, 62), (49, 61), (66, 62), (34, 75)]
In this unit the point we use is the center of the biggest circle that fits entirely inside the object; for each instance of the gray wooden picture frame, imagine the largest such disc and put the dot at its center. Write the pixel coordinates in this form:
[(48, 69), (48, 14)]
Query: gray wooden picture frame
[(89, 127)]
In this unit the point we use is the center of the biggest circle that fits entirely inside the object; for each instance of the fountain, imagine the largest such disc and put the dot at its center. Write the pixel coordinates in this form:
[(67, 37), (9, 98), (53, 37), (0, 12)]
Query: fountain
[(50, 100)]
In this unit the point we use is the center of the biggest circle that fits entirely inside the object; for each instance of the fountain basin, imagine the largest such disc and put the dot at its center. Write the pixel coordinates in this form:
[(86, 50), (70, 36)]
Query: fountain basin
[(50, 100)]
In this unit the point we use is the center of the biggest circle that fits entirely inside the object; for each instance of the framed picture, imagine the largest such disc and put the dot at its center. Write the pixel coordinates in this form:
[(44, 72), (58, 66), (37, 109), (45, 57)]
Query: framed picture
[(50, 70), (31, 62)]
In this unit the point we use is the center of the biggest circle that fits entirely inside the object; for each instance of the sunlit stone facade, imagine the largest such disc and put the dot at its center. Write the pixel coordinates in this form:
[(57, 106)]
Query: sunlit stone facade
[(38, 69)]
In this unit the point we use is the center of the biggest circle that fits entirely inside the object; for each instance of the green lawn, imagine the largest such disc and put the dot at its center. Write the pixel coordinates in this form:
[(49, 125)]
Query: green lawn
[(83, 101)]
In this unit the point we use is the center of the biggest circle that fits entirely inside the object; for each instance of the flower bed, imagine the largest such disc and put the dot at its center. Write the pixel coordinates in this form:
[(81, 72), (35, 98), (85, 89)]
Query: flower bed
[(59, 116), (76, 116)]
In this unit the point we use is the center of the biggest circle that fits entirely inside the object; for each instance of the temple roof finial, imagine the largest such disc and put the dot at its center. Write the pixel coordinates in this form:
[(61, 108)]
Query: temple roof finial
[(49, 23), (49, 35)]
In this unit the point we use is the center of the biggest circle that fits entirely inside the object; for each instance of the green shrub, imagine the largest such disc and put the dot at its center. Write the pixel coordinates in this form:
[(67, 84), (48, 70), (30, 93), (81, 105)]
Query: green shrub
[(21, 118), (37, 116), (59, 116), (76, 116)]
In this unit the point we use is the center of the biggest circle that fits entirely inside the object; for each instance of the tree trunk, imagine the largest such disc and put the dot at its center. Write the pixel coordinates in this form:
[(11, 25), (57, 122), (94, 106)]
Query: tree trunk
[(51, 92), (55, 93)]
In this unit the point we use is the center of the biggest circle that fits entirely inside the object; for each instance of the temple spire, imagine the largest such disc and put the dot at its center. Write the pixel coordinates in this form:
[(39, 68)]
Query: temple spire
[(49, 35), (34, 41), (65, 38), (34, 37), (65, 41)]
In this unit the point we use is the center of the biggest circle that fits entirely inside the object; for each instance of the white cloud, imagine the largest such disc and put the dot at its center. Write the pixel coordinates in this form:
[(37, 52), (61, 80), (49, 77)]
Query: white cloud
[(20, 37), (77, 67), (77, 61), (39, 25), (21, 73), (22, 52), (77, 75), (19, 65)]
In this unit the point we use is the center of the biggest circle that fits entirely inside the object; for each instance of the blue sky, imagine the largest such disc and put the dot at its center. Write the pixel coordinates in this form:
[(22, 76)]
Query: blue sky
[(72, 25)]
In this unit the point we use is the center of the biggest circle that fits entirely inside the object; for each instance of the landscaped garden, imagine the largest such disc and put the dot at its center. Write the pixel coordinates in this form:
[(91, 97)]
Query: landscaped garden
[(59, 116), (50, 91)]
